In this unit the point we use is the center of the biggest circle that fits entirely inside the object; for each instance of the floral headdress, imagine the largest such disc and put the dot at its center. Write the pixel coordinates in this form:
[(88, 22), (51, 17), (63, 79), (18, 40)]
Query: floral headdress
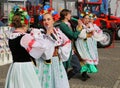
[(82, 14), (48, 9), (16, 10), (91, 15)]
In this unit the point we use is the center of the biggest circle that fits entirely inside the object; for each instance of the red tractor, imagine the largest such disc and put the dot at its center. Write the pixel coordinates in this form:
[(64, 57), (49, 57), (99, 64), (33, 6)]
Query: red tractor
[(111, 28)]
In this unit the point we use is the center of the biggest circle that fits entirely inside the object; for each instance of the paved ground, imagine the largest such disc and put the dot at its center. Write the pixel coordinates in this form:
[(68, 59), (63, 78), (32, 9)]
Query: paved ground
[(109, 71), (107, 77)]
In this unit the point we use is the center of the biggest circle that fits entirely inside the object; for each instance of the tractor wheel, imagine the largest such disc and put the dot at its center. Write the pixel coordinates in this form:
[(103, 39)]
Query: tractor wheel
[(108, 39), (118, 33)]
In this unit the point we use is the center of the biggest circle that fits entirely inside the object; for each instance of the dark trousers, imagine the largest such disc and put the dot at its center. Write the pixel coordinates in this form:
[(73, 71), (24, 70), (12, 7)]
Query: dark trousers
[(75, 63)]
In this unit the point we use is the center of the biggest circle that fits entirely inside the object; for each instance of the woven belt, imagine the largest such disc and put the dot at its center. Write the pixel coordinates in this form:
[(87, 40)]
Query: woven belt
[(55, 52)]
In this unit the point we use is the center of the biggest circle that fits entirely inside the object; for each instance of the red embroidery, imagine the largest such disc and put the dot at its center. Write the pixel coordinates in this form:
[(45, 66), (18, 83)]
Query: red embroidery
[(66, 42), (58, 42), (91, 60), (31, 34), (54, 31), (30, 45), (59, 37)]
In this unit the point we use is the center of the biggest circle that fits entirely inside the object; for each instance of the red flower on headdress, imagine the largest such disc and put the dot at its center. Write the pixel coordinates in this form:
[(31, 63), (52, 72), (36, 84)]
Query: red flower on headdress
[(50, 9), (26, 21), (42, 11), (32, 20), (56, 17), (24, 9)]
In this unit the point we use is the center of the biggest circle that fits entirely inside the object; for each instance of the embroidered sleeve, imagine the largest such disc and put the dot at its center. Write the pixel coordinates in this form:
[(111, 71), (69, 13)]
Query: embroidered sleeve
[(35, 46), (65, 48), (98, 34)]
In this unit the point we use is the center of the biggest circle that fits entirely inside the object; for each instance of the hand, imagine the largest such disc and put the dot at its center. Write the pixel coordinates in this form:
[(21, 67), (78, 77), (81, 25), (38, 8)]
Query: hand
[(79, 22), (89, 34)]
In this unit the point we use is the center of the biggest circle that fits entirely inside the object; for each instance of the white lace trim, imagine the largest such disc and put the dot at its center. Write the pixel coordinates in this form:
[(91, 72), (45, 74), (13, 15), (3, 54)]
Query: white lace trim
[(14, 35)]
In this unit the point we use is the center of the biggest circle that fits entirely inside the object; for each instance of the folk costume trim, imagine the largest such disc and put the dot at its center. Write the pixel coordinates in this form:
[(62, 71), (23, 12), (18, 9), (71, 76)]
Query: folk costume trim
[(30, 45)]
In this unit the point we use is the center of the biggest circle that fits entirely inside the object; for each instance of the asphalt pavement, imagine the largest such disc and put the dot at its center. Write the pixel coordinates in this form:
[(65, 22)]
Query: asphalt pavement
[(108, 75)]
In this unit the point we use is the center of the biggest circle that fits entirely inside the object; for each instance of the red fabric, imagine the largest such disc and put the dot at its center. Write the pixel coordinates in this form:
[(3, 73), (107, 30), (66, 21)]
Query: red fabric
[(30, 45), (66, 42)]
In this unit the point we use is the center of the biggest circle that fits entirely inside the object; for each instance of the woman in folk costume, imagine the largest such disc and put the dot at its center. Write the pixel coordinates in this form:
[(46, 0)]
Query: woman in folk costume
[(87, 47), (22, 72), (51, 70)]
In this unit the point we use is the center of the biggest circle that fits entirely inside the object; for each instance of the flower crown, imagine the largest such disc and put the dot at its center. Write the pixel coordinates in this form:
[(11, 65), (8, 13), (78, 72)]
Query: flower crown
[(16, 10), (91, 15), (48, 9), (82, 14)]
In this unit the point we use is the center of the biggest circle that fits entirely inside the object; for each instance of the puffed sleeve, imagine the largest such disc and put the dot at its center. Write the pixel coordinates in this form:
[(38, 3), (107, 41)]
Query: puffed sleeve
[(98, 34), (65, 48), (36, 44), (83, 34)]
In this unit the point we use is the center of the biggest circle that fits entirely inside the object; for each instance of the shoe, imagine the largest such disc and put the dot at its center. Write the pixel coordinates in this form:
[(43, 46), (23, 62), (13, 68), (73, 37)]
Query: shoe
[(70, 74), (84, 76)]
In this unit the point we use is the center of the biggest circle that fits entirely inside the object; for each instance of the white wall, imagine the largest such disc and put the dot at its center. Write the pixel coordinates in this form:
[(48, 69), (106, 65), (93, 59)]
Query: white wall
[(59, 5), (113, 6)]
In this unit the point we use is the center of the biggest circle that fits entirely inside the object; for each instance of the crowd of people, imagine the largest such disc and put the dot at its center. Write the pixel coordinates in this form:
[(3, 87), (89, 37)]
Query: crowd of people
[(42, 57)]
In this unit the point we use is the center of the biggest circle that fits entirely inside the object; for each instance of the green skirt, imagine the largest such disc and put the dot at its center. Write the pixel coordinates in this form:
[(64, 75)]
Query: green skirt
[(89, 68)]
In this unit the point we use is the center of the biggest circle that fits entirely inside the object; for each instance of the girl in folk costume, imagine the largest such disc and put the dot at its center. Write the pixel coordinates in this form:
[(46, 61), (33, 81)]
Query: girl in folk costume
[(51, 70), (87, 47), (22, 72)]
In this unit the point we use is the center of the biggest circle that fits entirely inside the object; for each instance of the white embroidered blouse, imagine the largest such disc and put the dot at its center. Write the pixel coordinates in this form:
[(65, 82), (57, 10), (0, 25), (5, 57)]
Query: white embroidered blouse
[(42, 45)]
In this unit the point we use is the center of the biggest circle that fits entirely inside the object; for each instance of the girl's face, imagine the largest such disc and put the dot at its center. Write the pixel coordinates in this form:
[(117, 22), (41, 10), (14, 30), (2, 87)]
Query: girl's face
[(48, 20), (86, 19), (68, 16), (91, 20)]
